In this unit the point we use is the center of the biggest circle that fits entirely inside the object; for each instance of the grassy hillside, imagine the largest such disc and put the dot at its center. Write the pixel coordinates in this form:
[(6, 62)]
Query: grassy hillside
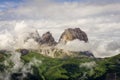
[(71, 69), (56, 69), (46, 68)]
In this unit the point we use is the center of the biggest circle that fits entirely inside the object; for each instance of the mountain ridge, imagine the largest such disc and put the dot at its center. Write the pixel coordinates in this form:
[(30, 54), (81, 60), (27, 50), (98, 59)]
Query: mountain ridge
[(49, 47)]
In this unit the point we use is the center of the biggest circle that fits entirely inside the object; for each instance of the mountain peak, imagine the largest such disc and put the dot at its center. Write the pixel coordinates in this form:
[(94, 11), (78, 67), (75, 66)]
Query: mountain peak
[(48, 39), (33, 35), (72, 34)]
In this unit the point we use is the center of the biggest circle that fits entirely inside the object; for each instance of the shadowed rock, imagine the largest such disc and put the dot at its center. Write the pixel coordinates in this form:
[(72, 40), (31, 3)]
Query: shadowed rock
[(3, 51), (48, 39), (24, 51), (87, 53)]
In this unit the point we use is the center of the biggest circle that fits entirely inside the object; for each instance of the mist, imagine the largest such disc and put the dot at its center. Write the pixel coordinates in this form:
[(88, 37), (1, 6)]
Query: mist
[(14, 39)]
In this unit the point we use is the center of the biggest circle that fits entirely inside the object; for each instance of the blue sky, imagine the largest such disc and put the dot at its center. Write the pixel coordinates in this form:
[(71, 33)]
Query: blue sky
[(6, 4), (16, 2), (3, 1), (95, 1)]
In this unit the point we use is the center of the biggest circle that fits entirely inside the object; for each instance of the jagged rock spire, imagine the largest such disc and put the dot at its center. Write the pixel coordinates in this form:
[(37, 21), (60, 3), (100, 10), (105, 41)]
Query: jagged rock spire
[(48, 39)]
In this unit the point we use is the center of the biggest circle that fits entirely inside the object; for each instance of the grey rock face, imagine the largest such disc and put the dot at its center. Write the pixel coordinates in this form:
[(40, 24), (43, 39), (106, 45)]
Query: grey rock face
[(72, 34), (48, 39), (68, 35), (24, 51), (34, 35)]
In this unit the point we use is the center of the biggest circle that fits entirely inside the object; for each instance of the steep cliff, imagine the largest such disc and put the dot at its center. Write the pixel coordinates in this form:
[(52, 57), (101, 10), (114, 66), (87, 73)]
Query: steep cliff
[(72, 34)]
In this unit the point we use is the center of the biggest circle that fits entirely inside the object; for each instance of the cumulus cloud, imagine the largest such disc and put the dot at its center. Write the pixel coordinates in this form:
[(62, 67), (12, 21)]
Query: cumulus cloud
[(6, 41), (99, 48), (75, 45), (106, 48), (99, 19), (15, 38), (31, 44)]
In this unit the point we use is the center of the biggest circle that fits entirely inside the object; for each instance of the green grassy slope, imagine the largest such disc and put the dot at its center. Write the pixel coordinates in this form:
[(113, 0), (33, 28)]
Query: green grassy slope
[(82, 68), (69, 69)]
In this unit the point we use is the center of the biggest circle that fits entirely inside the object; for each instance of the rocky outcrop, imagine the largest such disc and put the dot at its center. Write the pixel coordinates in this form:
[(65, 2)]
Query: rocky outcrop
[(48, 46), (68, 35), (24, 51), (3, 51), (87, 53), (72, 34), (47, 39), (34, 35), (61, 53)]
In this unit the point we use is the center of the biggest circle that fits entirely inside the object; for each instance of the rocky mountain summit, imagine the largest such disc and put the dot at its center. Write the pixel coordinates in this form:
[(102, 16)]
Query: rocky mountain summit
[(34, 35), (69, 34), (48, 39), (72, 34), (49, 47)]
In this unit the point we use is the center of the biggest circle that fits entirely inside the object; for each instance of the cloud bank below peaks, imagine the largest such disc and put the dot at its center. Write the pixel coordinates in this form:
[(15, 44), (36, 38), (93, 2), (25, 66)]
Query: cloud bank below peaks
[(14, 38), (99, 19)]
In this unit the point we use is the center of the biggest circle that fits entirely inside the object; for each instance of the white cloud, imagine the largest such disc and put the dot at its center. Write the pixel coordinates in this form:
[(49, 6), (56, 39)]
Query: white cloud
[(100, 21), (31, 44), (75, 45), (6, 41)]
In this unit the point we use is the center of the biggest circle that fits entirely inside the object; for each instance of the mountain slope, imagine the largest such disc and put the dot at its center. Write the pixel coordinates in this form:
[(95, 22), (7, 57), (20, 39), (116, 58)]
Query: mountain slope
[(38, 67), (76, 68)]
